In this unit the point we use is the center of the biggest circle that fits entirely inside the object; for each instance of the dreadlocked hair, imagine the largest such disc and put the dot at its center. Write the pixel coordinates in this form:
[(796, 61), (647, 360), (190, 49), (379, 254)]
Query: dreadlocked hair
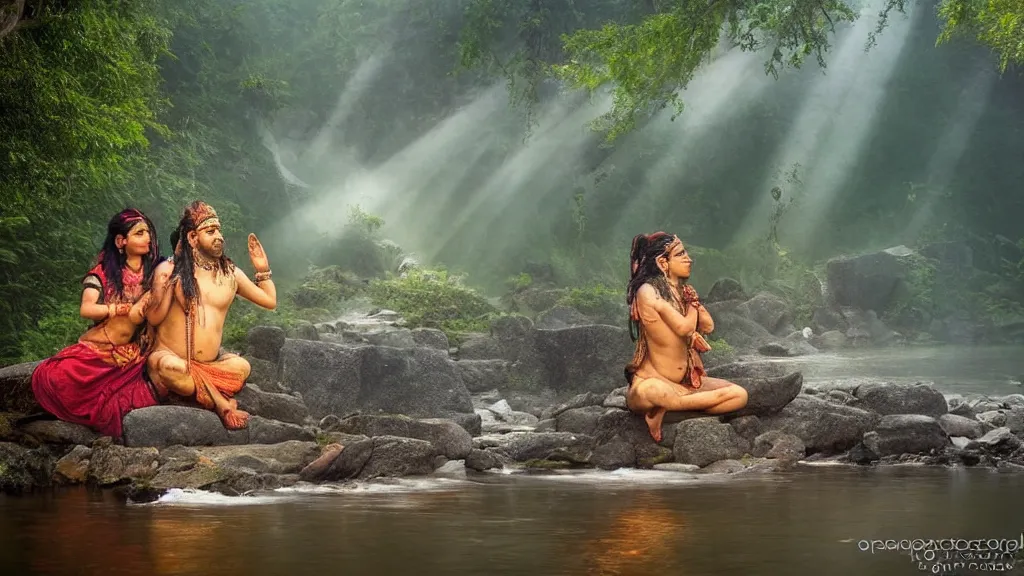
[(643, 261), (114, 260), (184, 261)]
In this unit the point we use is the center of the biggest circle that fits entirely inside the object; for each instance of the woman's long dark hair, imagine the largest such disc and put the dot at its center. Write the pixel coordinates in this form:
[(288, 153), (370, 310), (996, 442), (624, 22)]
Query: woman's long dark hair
[(114, 260), (644, 269)]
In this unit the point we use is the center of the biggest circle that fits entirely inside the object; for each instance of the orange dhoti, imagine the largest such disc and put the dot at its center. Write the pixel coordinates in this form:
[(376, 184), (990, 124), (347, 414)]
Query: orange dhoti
[(212, 374)]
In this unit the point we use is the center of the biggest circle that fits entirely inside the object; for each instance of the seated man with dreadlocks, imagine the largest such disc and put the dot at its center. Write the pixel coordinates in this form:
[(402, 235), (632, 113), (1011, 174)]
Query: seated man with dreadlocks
[(666, 322), (187, 359)]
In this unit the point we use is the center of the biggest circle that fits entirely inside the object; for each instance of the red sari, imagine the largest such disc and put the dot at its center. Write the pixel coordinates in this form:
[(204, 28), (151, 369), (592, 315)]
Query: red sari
[(97, 384)]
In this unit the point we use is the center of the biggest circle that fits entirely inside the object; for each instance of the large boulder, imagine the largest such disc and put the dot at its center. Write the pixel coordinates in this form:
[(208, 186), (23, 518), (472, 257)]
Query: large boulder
[(767, 309), (341, 379), (821, 425), (898, 434), (582, 358), (160, 426), (448, 437), (701, 441), (886, 398), (568, 361), (868, 281), (383, 456), (16, 389)]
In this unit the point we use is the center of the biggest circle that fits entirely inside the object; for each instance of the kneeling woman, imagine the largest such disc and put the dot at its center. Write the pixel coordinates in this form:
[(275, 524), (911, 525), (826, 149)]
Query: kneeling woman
[(98, 380)]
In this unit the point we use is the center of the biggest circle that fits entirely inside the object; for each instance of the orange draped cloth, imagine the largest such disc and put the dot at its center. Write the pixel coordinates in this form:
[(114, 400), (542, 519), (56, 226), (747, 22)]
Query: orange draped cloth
[(204, 374)]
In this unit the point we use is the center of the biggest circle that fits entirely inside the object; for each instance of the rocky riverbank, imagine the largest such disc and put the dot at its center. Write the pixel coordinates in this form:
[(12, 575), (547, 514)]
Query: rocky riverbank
[(356, 400)]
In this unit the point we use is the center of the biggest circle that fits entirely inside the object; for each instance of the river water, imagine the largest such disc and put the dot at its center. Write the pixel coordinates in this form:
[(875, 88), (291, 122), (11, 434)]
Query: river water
[(991, 370), (811, 520)]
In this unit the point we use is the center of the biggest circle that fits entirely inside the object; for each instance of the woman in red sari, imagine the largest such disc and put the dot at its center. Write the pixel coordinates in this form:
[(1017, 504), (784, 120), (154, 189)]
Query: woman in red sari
[(98, 380)]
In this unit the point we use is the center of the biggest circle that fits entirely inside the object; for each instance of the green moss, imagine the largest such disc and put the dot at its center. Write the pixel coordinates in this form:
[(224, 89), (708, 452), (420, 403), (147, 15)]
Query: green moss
[(434, 299)]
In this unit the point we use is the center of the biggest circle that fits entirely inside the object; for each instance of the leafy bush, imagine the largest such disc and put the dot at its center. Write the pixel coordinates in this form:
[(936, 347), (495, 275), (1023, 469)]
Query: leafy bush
[(433, 299), (54, 331), (326, 288), (598, 301)]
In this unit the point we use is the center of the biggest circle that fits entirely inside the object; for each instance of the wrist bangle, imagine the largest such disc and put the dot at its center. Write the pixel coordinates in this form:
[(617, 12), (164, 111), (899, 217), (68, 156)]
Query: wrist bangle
[(262, 276)]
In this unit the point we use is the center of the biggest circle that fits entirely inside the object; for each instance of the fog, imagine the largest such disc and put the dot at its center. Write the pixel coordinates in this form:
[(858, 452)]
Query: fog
[(880, 140)]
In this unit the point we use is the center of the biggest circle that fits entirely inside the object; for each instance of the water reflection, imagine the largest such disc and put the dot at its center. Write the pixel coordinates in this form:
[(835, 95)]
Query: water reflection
[(638, 539), (776, 526)]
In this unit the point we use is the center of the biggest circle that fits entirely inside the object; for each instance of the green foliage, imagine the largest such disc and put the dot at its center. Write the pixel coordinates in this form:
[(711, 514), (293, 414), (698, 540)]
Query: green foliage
[(433, 299), (648, 63), (600, 302), (79, 90), (54, 331), (519, 282), (998, 24), (358, 248), (326, 288)]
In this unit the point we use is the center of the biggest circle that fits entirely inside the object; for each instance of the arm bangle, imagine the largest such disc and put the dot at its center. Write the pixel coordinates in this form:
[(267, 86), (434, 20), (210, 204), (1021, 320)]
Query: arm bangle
[(262, 276)]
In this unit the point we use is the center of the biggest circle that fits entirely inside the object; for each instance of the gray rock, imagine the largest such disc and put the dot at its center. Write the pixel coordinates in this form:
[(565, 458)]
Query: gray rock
[(338, 379), (160, 426), (996, 418), (822, 426), (1014, 419), (384, 456), (16, 389), (725, 289), (869, 281), (431, 338), (303, 330), (393, 338), (480, 347), (766, 396), (265, 342), (265, 374), (887, 399), (579, 420), (617, 453), (906, 434), (724, 466), (997, 441), (733, 326), (73, 467), (748, 427), (955, 425), (448, 438), (578, 401), (580, 359), (525, 446), (768, 310), (60, 432), (702, 441), (113, 464), (561, 317), (777, 444), (23, 469), (481, 460), (270, 405), (621, 427), (288, 457), (749, 370), (829, 340), (549, 425)]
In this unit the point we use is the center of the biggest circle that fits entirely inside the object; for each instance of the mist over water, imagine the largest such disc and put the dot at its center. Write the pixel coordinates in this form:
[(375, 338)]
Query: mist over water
[(474, 192)]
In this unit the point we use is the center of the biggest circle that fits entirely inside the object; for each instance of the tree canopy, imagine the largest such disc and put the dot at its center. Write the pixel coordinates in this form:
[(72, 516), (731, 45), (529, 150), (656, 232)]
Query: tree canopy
[(156, 102)]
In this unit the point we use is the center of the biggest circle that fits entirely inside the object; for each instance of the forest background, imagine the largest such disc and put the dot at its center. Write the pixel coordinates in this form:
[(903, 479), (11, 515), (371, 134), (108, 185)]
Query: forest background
[(326, 126)]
